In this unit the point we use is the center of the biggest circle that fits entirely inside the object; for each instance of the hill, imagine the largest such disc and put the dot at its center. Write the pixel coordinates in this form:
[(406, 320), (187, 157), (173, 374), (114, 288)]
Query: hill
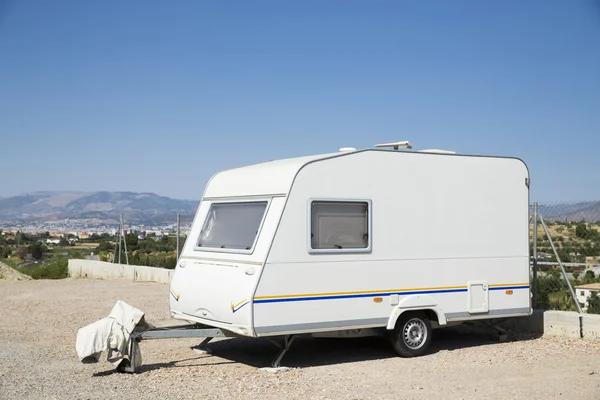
[(574, 212), (145, 208)]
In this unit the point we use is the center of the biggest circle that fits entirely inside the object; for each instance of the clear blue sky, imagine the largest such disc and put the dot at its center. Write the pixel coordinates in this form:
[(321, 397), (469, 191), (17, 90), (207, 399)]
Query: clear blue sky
[(157, 96)]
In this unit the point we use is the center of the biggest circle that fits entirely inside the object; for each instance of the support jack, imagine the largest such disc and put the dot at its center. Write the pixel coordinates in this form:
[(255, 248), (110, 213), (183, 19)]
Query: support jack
[(283, 348), (201, 348)]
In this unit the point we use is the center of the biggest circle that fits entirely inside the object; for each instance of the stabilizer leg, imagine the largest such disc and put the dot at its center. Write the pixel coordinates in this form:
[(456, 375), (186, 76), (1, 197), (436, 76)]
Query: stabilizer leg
[(287, 342), (201, 348)]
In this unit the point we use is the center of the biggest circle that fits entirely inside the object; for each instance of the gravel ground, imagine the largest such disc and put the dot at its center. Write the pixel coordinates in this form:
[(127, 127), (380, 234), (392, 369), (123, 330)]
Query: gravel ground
[(39, 321)]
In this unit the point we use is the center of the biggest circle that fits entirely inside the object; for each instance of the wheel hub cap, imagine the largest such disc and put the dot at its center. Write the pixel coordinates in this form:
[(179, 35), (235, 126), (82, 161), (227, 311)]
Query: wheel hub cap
[(414, 333)]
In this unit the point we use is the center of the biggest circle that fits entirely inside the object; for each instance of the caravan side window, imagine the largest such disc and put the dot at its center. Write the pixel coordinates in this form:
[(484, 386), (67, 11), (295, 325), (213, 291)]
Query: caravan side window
[(340, 226)]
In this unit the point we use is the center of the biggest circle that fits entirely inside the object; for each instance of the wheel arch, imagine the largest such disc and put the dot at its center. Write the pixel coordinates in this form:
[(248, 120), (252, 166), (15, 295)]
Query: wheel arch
[(423, 303)]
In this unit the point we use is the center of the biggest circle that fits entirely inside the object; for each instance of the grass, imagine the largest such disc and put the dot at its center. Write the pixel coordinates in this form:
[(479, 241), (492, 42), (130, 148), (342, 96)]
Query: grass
[(58, 269), (70, 249), (10, 262), (84, 246)]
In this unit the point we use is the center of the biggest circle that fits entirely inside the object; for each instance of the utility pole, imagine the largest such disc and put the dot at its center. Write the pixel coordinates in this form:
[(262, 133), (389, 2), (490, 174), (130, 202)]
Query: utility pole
[(178, 223), (120, 230), (535, 255), (124, 240)]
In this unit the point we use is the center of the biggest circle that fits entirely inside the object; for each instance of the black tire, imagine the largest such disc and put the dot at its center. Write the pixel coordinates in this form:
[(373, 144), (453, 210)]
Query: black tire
[(412, 335)]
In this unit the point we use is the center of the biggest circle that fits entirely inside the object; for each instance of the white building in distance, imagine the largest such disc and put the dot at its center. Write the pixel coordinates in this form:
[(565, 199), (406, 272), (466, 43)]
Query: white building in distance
[(584, 292)]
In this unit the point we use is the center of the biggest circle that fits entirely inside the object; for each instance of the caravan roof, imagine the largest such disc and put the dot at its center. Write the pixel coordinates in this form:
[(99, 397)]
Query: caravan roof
[(275, 177), (268, 178)]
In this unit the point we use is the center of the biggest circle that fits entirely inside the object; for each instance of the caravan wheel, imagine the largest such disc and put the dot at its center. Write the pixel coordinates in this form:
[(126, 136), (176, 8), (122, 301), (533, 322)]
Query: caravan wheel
[(412, 335)]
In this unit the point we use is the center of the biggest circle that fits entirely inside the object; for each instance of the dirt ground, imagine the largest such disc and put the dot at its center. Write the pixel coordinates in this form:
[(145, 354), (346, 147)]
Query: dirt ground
[(11, 274), (39, 322)]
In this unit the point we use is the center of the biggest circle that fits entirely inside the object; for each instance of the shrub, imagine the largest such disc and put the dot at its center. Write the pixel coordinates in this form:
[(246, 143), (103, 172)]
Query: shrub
[(58, 269), (37, 251), (593, 304)]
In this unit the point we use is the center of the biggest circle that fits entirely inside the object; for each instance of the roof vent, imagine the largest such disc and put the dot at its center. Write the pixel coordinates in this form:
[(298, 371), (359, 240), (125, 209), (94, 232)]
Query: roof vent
[(437, 151), (396, 145), (343, 149)]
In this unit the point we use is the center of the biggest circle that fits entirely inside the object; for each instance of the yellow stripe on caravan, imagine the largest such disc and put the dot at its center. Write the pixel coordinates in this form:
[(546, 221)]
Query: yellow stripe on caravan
[(238, 304), (509, 284), (351, 293)]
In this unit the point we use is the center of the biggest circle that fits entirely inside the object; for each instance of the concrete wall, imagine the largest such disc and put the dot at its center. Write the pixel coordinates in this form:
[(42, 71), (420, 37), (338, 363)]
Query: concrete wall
[(558, 323), (591, 326), (104, 270), (562, 323)]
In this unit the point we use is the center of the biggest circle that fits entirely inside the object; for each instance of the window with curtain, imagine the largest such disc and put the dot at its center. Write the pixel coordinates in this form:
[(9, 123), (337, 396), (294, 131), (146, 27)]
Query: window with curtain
[(339, 225)]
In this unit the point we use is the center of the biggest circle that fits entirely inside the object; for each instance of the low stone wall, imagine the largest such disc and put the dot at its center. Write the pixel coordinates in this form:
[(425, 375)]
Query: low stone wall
[(558, 323), (591, 326), (105, 270)]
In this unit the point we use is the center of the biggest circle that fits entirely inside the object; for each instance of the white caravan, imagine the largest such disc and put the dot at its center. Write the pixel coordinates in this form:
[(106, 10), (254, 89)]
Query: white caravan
[(369, 240)]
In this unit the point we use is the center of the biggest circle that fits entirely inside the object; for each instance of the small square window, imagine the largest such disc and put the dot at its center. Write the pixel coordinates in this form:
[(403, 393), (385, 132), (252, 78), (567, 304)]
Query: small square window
[(340, 226)]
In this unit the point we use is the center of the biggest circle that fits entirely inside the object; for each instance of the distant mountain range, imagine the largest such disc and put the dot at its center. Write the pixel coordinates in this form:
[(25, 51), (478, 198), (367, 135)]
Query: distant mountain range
[(100, 208), (588, 211), (139, 208)]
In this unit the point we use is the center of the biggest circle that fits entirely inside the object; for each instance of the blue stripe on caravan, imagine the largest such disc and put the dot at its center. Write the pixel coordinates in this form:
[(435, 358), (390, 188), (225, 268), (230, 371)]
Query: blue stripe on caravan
[(234, 310), (354, 296), (509, 287)]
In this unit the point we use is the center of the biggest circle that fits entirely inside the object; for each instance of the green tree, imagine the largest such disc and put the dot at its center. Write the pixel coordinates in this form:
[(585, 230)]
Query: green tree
[(581, 230), (103, 246), (543, 300), (589, 277), (563, 254), (37, 251), (5, 251), (132, 241), (564, 301), (105, 256), (593, 304)]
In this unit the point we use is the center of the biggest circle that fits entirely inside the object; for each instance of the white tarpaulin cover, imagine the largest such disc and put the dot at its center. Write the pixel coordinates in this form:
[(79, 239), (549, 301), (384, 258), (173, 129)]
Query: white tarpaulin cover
[(110, 334)]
